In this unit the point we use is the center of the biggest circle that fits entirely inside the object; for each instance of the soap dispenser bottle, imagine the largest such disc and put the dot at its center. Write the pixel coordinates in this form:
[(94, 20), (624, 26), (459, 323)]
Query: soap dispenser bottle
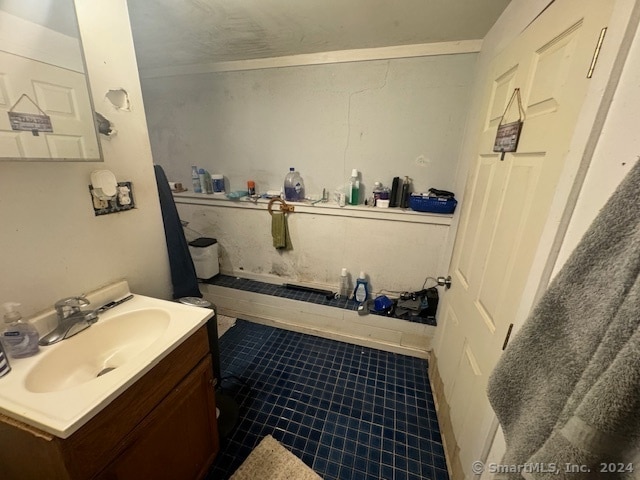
[(361, 292), (20, 338)]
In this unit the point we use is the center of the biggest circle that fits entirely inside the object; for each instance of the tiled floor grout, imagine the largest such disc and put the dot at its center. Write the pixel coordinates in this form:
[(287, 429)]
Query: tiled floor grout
[(347, 411)]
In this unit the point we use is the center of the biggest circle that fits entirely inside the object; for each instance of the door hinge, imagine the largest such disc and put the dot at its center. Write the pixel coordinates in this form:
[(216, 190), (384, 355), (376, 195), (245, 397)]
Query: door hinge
[(506, 339), (596, 52)]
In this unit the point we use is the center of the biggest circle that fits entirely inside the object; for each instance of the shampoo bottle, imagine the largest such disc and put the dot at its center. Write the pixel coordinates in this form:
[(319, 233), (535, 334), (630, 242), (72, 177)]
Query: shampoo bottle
[(20, 338), (361, 292), (354, 188)]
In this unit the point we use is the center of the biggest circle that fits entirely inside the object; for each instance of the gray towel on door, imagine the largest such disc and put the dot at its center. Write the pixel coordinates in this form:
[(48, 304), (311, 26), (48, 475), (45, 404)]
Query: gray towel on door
[(567, 388)]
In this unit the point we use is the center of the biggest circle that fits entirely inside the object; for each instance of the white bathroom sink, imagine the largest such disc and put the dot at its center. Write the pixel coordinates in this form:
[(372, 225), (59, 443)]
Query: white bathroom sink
[(67, 383), (98, 351)]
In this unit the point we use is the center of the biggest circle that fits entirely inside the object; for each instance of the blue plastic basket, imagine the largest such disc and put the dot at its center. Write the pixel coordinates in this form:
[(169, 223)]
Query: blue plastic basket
[(423, 203)]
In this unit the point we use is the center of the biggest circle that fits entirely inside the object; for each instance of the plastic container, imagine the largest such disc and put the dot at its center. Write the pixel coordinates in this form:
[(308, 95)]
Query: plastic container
[(422, 202), (217, 182), (204, 253), (195, 180), (354, 188), (361, 292), (344, 284), (293, 186), (20, 338)]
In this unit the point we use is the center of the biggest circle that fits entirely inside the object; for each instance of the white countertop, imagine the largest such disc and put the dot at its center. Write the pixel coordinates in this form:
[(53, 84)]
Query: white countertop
[(65, 410)]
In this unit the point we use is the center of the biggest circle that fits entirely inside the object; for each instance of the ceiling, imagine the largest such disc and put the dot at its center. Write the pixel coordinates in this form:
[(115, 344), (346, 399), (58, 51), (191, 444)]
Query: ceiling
[(170, 33), (58, 15)]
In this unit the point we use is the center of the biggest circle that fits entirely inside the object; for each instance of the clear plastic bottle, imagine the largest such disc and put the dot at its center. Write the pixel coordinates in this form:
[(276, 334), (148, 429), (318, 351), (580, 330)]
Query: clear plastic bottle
[(202, 176), (293, 186), (344, 284), (19, 338), (207, 183), (195, 180), (354, 188)]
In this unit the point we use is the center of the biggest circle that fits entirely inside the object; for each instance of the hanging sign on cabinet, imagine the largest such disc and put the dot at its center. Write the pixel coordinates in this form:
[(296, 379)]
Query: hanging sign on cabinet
[(508, 134), (30, 122)]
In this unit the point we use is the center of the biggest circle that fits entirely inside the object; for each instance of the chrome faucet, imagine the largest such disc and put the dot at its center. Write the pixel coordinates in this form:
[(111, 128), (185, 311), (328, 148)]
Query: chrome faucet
[(71, 319)]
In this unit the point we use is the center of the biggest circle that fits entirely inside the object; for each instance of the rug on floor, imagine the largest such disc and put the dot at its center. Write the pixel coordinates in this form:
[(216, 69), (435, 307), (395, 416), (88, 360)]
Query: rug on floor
[(271, 461)]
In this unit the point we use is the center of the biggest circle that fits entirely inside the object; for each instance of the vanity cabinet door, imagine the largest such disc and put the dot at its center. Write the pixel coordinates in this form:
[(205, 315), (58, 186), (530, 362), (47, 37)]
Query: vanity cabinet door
[(179, 439)]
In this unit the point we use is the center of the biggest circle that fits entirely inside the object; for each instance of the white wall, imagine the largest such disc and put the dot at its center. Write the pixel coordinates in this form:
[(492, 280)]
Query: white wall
[(376, 116), (52, 245), (384, 117)]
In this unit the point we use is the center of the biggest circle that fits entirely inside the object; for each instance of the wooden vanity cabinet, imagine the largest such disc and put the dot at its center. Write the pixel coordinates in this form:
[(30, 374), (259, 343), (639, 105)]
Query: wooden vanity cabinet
[(162, 427)]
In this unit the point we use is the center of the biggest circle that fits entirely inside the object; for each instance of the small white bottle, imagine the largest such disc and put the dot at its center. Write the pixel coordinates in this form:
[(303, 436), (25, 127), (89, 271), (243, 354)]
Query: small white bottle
[(344, 284), (20, 338)]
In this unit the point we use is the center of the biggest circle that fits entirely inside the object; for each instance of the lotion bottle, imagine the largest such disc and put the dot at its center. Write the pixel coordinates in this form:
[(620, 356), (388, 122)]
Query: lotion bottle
[(19, 338), (361, 292)]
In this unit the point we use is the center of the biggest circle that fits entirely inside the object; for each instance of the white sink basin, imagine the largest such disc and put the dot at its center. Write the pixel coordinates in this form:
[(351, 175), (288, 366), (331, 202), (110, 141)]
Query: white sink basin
[(66, 384), (97, 351)]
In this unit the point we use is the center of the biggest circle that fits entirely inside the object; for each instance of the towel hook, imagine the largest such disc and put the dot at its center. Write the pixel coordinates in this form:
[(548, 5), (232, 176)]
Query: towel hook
[(284, 206)]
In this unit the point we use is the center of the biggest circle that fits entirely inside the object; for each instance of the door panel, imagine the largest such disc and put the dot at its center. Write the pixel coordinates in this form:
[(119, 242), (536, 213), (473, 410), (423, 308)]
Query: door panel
[(507, 202), (58, 92)]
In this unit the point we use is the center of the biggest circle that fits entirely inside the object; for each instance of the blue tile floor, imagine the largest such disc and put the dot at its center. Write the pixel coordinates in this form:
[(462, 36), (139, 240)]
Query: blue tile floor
[(348, 412)]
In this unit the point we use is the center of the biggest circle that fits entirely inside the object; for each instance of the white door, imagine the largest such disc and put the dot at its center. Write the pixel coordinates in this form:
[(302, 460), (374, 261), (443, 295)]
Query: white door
[(507, 203), (59, 93)]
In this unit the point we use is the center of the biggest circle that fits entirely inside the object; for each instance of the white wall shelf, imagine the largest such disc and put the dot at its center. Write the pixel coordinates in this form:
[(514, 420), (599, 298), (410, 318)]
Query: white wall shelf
[(360, 211)]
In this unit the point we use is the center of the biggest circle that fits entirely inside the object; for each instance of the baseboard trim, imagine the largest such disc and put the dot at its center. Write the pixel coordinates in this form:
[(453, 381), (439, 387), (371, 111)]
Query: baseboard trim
[(451, 449)]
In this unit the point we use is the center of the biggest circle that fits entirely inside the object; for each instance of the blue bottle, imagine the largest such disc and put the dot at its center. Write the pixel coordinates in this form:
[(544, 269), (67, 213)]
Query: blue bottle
[(361, 292)]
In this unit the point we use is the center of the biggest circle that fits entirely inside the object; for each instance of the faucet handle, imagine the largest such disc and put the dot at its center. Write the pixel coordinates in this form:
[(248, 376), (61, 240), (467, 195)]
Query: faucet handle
[(66, 306)]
